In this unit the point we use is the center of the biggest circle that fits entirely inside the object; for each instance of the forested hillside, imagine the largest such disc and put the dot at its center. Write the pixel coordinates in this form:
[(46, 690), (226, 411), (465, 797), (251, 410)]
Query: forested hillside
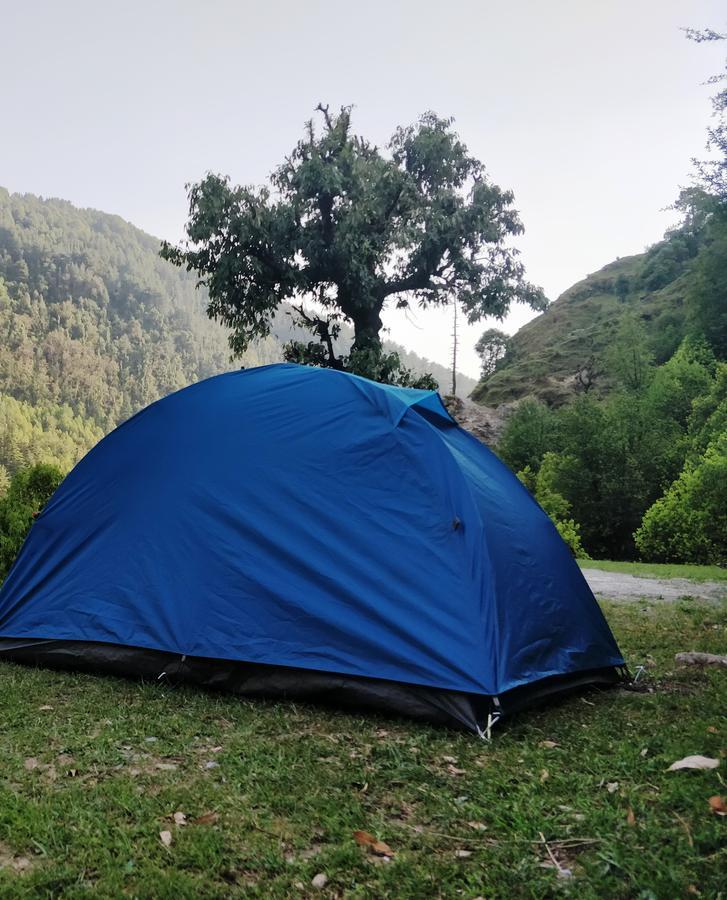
[(94, 326), (568, 349), (620, 429)]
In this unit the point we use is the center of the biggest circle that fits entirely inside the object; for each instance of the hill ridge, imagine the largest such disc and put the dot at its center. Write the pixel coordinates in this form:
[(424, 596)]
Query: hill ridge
[(564, 350)]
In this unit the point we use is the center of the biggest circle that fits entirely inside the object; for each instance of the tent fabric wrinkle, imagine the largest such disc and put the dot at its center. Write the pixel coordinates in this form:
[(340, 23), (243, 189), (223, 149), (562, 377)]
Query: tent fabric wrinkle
[(312, 525)]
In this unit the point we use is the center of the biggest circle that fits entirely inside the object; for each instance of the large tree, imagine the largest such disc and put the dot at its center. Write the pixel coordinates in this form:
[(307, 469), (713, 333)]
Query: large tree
[(344, 229)]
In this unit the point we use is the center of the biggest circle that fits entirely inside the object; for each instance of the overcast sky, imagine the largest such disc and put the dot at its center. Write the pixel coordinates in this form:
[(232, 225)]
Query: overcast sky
[(589, 110)]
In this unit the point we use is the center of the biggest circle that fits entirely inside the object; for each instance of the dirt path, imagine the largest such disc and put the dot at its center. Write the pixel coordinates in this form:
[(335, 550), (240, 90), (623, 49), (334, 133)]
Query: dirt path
[(617, 586)]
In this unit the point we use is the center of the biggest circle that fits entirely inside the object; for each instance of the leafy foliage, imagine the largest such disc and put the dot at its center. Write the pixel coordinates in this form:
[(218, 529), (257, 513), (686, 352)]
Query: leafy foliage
[(686, 377), (689, 523), (615, 460), (347, 230), (709, 413), (28, 492), (528, 436), (542, 487)]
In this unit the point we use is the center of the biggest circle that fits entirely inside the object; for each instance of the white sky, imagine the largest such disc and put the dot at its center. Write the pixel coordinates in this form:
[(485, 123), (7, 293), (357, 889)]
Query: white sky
[(589, 110)]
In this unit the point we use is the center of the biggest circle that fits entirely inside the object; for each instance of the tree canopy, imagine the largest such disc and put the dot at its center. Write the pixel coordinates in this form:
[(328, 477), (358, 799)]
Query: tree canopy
[(491, 347), (344, 229)]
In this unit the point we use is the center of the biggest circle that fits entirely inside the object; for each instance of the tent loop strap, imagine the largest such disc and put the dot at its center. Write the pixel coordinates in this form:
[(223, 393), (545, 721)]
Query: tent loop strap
[(164, 673), (493, 717)]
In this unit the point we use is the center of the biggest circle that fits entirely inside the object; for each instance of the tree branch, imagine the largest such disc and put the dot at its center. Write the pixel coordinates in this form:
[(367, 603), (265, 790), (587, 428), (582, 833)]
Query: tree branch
[(392, 206), (420, 280), (326, 115), (321, 327)]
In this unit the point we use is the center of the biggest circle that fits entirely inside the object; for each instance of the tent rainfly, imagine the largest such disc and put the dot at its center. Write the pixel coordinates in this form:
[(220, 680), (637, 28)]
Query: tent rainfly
[(298, 532)]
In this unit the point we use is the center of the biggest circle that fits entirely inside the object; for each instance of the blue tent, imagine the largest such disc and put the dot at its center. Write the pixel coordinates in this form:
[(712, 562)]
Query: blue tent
[(303, 532)]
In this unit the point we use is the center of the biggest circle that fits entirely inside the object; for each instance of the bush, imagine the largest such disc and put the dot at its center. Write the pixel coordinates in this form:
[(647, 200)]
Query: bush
[(542, 486), (528, 435), (29, 490), (689, 523)]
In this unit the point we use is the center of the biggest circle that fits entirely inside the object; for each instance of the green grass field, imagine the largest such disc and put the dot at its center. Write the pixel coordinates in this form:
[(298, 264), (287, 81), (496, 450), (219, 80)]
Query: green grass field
[(570, 801), (658, 570)]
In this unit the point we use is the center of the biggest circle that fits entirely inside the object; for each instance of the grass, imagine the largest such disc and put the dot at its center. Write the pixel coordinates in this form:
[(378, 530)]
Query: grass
[(658, 570), (94, 768)]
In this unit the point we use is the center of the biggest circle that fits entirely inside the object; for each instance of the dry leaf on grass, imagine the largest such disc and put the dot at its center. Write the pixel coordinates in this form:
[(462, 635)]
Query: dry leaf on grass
[(180, 818), (711, 729), (166, 838), (364, 839), (208, 818), (694, 762), (718, 805), (630, 817)]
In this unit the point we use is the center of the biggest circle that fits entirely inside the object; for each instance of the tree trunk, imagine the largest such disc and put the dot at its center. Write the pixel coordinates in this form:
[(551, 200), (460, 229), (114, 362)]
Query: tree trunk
[(367, 326)]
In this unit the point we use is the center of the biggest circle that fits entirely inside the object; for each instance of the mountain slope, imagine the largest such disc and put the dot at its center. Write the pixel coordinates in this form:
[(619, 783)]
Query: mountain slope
[(554, 354), (94, 326)]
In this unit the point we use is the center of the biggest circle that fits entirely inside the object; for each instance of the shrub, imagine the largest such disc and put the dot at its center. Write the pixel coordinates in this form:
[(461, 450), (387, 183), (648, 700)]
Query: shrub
[(542, 486), (528, 435), (28, 492), (689, 523)]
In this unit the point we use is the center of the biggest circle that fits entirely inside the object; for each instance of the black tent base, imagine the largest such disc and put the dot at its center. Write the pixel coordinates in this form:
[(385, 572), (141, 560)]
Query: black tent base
[(454, 709)]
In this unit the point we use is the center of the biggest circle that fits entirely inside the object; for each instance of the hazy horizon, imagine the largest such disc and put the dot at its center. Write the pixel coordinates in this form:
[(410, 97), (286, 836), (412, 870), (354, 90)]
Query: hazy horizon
[(590, 114)]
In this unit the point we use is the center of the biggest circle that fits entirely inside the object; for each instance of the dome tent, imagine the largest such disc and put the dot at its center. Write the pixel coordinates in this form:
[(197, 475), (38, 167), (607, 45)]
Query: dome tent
[(301, 532)]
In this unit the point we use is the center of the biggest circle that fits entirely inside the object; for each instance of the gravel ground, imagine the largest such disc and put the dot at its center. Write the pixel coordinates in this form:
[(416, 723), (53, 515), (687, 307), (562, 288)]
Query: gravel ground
[(617, 586)]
